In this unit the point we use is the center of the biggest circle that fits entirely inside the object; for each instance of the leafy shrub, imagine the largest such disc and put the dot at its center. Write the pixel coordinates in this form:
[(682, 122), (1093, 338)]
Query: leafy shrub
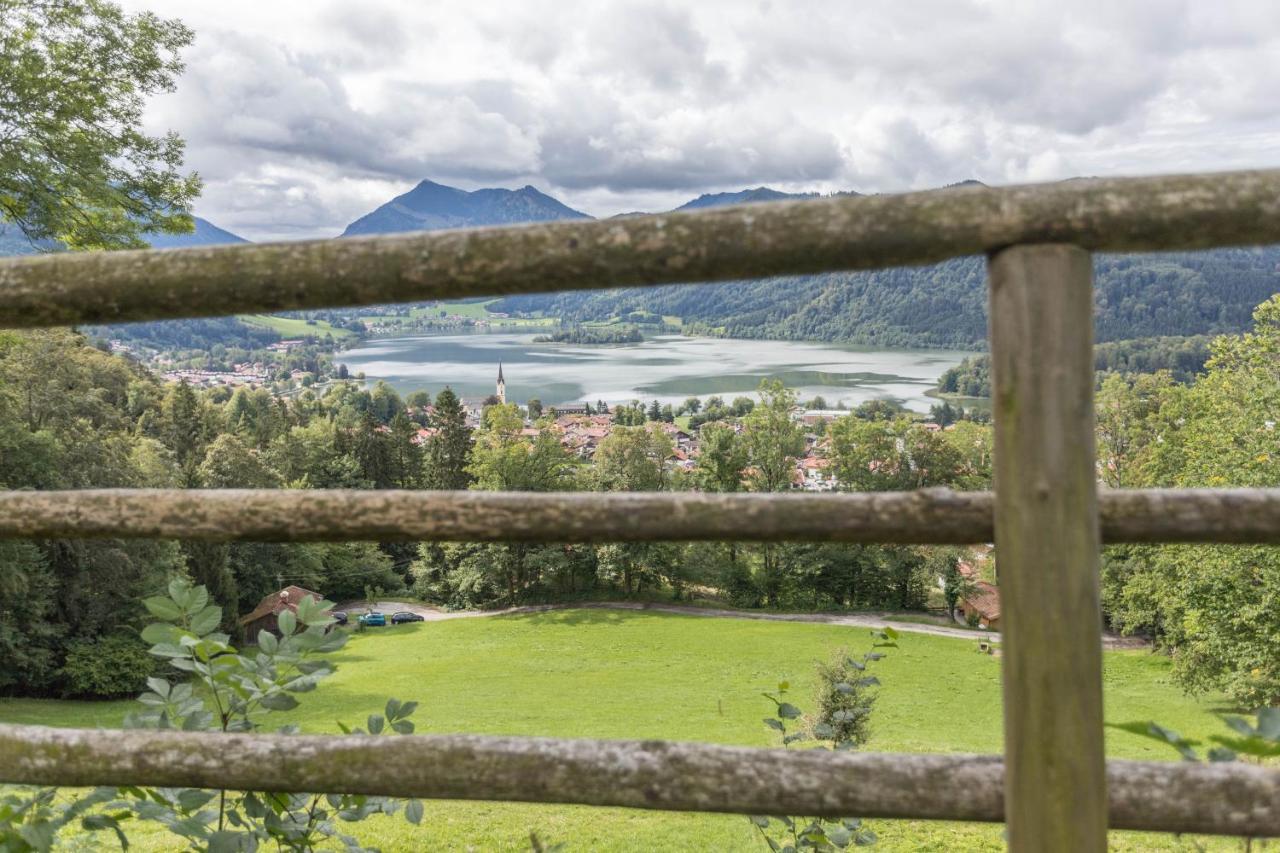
[(107, 668), (841, 724), (846, 695)]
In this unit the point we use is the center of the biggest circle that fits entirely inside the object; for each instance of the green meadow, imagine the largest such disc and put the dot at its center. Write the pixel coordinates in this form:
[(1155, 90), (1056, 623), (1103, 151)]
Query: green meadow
[(625, 674), (291, 327)]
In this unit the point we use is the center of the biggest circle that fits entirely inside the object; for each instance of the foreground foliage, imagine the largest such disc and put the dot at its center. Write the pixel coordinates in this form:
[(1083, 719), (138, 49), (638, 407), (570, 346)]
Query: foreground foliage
[(77, 168), (223, 690)]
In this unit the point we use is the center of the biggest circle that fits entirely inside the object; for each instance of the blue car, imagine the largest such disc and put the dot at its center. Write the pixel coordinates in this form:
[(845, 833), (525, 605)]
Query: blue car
[(373, 619)]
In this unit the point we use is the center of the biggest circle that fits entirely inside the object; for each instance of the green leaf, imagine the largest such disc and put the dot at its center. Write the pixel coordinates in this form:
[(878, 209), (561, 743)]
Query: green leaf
[(403, 727), (180, 591), (162, 608), (268, 643), (160, 633), (278, 702), (199, 597), (774, 724), (407, 709), (393, 709), (287, 622), (1221, 754), (788, 711), (784, 686), (191, 799), (760, 821), (413, 811), (207, 620), (375, 724), (160, 686), (890, 633)]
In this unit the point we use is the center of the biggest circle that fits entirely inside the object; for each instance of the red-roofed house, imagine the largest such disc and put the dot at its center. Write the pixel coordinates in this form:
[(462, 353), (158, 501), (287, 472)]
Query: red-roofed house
[(264, 616), (984, 603)]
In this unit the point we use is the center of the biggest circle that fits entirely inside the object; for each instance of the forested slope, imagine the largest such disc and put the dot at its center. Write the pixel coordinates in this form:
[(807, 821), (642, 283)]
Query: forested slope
[(1187, 293)]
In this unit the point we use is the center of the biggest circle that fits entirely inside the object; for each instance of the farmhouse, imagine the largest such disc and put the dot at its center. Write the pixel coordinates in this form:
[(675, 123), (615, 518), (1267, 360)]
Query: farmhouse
[(984, 603), (264, 616)]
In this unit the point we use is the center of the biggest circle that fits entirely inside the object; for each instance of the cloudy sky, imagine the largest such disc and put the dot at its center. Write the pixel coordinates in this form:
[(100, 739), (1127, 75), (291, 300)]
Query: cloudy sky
[(302, 115)]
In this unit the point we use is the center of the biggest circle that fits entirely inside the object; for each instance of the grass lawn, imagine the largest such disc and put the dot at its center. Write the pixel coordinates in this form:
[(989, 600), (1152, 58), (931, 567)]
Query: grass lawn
[(624, 674), (291, 327)]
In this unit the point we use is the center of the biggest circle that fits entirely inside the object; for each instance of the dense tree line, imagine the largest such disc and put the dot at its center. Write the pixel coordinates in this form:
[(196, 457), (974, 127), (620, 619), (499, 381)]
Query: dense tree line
[(944, 305), (1183, 358), (72, 416), (1216, 609), (580, 334), (753, 451)]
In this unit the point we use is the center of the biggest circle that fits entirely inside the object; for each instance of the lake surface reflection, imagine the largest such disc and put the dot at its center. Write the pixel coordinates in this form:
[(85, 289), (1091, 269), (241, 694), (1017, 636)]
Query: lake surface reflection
[(668, 368)]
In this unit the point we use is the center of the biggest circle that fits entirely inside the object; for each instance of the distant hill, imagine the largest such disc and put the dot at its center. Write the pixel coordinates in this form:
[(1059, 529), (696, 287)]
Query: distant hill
[(430, 206), (944, 305), (206, 234), (14, 242), (184, 334), (742, 197)]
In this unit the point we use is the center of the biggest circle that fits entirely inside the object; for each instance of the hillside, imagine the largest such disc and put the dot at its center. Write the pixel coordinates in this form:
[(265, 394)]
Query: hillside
[(206, 234), (1137, 296), (430, 206), (12, 241)]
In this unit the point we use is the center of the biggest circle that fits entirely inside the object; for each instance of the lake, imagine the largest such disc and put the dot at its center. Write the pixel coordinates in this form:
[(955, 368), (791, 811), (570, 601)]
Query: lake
[(668, 368)]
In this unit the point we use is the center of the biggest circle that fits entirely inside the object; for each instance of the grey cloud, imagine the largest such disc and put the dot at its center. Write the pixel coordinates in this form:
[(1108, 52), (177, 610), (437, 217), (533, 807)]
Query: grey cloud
[(623, 105)]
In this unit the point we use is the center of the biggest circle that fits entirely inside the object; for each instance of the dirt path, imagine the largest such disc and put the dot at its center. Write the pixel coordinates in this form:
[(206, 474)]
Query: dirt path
[(857, 620)]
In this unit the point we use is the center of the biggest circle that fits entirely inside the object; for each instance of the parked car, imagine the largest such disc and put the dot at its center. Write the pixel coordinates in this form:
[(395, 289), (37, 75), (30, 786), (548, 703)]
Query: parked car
[(339, 616), (406, 616), (373, 619)]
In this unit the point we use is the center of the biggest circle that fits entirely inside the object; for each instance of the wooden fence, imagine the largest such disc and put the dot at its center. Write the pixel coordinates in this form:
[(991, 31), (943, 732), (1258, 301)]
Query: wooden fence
[(1053, 787)]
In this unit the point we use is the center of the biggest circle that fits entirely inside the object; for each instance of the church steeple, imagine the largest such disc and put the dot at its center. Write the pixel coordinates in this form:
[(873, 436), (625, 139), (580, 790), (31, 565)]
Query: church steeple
[(502, 386)]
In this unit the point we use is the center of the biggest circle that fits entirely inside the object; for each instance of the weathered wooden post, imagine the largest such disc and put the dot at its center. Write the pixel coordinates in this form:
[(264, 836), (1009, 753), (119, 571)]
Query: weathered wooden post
[(1047, 547)]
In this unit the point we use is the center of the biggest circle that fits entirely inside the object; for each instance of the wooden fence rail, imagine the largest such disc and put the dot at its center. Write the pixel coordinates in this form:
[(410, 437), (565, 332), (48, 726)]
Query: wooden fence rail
[(1223, 799), (750, 241), (925, 517)]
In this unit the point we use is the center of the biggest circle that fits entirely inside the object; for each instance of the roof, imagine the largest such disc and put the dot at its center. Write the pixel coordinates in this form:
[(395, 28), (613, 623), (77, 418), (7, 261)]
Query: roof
[(277, 602), (985, 599)]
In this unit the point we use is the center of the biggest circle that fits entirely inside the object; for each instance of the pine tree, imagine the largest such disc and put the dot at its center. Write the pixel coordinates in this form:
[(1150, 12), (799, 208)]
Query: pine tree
[(449, 450), (372, 453), (406, 455)]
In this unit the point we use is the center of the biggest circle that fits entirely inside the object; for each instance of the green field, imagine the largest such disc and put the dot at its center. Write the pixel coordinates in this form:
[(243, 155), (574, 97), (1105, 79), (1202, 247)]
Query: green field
[(626, 674), (290, 327)]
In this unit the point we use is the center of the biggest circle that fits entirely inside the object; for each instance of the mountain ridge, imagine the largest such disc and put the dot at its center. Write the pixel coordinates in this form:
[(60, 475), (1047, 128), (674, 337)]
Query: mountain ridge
[(431, 206)]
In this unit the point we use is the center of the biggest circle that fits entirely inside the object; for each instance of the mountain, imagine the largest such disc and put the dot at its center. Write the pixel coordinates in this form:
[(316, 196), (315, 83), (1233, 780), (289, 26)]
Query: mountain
[(944, 305), (430, 206), (12, 241), (206, 234), (742, 197)]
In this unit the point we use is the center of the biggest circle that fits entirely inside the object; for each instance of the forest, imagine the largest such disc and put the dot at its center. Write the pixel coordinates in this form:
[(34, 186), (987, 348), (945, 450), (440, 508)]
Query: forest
[(944, 305), (1183, 358)]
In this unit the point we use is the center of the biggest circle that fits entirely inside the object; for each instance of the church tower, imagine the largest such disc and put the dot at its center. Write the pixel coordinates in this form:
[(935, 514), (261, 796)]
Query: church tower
[(502, 386)]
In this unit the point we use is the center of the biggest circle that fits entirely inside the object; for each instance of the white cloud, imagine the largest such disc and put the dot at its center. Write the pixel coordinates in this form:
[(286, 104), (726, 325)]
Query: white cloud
[(302, 116)]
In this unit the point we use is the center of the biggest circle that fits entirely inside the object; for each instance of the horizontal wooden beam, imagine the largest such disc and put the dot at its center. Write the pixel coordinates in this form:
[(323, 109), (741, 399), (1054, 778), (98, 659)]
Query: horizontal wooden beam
[(1227, 799), (925, 517), (749, 241), (937, 516)]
